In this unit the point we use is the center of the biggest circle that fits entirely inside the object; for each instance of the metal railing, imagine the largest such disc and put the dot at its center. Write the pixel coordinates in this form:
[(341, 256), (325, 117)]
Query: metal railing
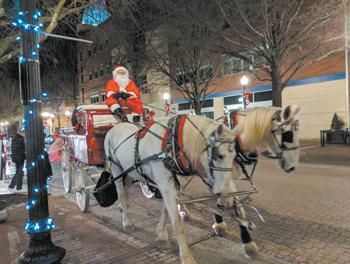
[(334, 137)]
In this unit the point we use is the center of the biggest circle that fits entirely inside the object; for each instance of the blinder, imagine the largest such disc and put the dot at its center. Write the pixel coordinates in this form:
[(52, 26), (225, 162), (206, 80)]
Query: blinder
[(287, 137)]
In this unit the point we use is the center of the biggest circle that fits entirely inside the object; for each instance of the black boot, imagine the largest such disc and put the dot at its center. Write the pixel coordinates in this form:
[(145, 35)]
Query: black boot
[(121, 115)]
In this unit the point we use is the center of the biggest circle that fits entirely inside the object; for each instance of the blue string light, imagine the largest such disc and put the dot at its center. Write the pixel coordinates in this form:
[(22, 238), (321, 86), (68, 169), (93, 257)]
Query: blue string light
[(45, 225), (39, 226)]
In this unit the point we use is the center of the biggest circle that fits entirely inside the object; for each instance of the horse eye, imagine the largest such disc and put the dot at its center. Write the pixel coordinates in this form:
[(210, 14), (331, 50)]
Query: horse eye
[(221, 156)]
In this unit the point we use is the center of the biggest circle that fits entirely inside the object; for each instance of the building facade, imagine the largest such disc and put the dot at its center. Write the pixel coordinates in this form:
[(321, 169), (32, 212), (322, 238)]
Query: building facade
[(320, 89)]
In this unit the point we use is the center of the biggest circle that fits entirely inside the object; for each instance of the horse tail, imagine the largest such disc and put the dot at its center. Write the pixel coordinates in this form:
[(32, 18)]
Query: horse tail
[(108, 155)]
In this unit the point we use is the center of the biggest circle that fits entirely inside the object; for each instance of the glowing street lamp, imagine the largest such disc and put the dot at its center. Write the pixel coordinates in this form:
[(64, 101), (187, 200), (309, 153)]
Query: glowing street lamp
[(67, 113), (244, 80), (166, 96), (245, 93)]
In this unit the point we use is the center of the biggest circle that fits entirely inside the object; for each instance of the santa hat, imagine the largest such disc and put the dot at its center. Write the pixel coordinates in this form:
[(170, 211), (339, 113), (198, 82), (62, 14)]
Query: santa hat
[(117, 68)]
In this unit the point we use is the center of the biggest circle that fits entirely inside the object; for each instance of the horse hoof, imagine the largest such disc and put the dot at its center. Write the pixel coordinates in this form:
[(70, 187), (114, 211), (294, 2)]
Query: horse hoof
[(164, 244), (162, 237), (220, 228), (250, 250)]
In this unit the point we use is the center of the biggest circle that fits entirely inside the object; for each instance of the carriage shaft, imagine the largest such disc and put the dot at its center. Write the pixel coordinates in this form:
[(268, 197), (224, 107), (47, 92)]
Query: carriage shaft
[(213, 197)]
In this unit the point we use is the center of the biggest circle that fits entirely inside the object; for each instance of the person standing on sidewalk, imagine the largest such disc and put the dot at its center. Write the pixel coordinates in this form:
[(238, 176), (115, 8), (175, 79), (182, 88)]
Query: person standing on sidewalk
[(18, 157)]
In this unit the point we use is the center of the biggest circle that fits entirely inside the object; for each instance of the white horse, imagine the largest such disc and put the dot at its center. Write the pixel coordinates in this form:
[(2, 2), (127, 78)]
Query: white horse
[(207, 144), (274, 134), (266, 130)]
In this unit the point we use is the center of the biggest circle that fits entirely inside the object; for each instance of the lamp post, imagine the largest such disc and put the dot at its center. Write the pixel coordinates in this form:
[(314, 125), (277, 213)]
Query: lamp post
[(39, 225), (244, 82), (166, 97)]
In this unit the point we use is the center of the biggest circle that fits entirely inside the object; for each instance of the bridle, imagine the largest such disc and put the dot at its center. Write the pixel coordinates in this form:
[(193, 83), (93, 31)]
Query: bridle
[(287, 137), (211, 149)]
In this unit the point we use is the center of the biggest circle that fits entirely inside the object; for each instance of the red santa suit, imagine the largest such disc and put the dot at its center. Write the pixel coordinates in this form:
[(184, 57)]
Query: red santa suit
[(127, 86)]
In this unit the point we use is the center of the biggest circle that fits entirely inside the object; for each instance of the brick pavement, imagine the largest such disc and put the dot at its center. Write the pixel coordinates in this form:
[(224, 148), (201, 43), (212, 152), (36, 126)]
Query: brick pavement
[(86, 239), (307, 213)]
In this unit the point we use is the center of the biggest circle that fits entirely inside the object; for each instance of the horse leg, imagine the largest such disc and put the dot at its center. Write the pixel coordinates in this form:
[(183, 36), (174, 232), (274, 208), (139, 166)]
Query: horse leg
[(162, 228), (249, 246), (122, 198), (169, 194)]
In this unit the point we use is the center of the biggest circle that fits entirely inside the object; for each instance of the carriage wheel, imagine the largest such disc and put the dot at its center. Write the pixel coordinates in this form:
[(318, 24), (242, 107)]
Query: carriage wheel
[(147, 192), (82, 194), (67, 170)]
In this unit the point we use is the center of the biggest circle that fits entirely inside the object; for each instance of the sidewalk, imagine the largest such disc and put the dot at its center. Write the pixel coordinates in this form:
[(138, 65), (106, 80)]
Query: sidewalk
[(330, 155), (99, 239), (4, 188)]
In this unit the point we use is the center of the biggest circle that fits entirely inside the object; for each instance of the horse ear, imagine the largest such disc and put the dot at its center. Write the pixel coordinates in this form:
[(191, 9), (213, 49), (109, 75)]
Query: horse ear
[(290, 111), (287, 113), (220, 130)]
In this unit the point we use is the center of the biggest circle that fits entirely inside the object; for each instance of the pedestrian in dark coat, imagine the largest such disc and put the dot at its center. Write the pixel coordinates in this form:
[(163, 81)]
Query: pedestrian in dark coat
[(18, 157)]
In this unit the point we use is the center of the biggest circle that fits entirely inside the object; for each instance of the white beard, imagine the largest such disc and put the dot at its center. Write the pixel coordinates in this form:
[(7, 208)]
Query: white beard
[(122, 81)]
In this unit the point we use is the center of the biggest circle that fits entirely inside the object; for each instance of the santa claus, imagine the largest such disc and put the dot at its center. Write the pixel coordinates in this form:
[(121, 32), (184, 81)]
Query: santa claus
[(123, 92)]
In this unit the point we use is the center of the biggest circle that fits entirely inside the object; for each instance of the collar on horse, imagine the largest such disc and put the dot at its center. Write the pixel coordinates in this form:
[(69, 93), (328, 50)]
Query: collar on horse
[(172, 144)]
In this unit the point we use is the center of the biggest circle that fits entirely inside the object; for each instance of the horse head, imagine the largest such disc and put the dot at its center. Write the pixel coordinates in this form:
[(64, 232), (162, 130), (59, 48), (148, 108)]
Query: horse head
[(211, 151), (284, 141)]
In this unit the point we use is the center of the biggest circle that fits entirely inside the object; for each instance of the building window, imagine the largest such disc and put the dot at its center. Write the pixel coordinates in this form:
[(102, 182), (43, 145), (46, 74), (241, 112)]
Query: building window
[(95, 75), (94, 99), (101, 71), (81, 56), (231, 65), (236, 99), (208, 103), (183, 78), (81, 78), (108, 67), (206, 71), (95, 50), (263, 96), (208, 114), (81, 68), (104, 97), (100, 46), (90, 75), (143, 84), (89, 52), (184, 106), (248, 66)]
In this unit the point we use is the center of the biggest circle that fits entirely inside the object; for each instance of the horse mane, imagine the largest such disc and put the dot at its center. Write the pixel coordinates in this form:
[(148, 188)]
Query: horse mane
[(193, 141), (256, 124)]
